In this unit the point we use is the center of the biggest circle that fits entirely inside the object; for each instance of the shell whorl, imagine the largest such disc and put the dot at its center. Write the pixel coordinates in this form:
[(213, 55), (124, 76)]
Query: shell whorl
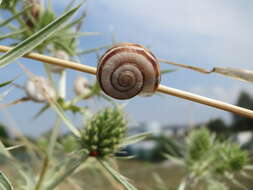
[(126, 70)]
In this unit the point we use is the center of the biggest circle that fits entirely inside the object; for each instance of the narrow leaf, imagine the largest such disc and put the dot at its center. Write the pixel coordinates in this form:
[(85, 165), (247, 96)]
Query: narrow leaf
[(241, 74), (77, 21), (41, 111), (33, 41), (69, 168), (68, 123), (6, 83), (4, 151), (168, 71), (174, 159), (118, 177), (135, 139), (5, 183), (11, 35)]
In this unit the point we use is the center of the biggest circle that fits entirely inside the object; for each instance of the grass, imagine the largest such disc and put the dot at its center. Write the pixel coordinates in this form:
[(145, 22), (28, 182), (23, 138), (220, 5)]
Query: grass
[(142, 173)]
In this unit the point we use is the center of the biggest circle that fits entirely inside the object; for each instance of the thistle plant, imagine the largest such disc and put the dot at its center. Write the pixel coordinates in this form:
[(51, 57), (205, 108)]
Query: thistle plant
[(104, 133), (209, 162)]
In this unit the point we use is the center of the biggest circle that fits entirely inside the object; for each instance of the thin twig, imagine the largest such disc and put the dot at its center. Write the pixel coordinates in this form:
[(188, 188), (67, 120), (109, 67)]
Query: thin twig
[(15, 102), (198, 69), (42, 173)]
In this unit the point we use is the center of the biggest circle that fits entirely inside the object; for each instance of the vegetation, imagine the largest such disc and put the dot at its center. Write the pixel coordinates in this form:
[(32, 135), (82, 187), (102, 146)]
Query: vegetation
[(96, 149)]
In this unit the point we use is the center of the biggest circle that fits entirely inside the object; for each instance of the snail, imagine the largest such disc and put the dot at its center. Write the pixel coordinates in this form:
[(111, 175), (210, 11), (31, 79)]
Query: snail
[(127, 70)]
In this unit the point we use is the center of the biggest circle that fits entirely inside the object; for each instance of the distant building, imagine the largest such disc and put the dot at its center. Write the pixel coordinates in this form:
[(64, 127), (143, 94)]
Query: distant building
[(157, 129)]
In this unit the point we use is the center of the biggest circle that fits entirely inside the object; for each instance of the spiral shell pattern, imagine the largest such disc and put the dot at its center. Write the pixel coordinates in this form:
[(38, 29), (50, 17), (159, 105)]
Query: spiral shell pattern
[(127, 70)]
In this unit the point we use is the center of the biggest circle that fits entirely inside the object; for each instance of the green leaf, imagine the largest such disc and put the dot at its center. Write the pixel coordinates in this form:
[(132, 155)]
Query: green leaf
[(5, 83), (62, 115), (70, 4), (41, 111), (0, 2), (5, 183), (175, 160), (166, 71), (118, 177), (11, 35), (4, 150), (36, 39), (73, 23), (69, 166), (135, 139)]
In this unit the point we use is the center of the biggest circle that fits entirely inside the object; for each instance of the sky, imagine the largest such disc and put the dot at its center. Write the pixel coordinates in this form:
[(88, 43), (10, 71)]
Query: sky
[(195, 32)]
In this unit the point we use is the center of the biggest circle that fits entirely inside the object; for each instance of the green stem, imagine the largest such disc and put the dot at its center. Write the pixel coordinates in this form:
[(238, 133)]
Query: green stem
[(69, 171), (42, 174), (62, 84), (54, 136)]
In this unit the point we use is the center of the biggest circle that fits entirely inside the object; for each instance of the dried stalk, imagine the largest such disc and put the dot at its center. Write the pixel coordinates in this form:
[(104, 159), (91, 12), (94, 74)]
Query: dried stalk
[(163, 89)]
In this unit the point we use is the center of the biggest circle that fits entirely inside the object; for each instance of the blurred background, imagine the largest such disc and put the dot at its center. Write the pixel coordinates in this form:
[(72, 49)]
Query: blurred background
[(200, 33)]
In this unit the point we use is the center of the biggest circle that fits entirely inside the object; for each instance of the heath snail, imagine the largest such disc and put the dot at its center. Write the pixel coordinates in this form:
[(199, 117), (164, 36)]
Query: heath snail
[(127, 70)]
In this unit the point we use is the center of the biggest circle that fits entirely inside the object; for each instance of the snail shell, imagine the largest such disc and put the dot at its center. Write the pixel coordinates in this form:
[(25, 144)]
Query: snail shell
[(126, 70)]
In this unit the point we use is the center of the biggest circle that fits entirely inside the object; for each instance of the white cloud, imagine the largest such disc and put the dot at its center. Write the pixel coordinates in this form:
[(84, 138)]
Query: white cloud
[(220, 30)]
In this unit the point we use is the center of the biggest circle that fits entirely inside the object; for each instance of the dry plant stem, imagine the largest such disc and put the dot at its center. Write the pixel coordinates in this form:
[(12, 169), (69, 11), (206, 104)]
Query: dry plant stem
[(207, 101), (201, 70), (55, 61), (163, 89)]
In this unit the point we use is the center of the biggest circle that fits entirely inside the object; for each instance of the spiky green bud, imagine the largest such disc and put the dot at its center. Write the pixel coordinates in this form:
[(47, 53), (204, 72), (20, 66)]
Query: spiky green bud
[(230, 158), (104, 133), (199, 143), (8, 4)]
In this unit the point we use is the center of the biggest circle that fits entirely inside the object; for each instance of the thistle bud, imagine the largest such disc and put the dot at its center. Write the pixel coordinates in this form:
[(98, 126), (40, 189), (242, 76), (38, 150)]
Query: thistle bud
[(8, 4), (81, 86), (104, 133), (61, 55), (34, 12), (35, 9), (39, 89)]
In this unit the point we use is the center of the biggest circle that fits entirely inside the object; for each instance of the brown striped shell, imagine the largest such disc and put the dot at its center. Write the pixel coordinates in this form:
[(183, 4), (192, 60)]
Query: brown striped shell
[(127, 70)]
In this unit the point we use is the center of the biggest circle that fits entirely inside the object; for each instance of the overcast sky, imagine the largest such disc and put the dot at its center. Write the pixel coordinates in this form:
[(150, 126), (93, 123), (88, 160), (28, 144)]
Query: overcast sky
[(196, 32)]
